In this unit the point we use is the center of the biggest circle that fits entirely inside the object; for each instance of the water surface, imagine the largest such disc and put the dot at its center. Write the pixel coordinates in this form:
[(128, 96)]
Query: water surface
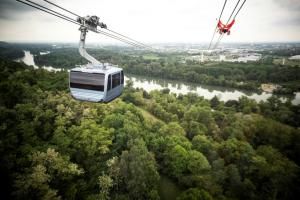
[(180, 87)]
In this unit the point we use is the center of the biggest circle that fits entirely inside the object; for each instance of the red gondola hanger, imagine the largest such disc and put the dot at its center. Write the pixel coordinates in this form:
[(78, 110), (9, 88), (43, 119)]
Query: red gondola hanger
[(223, 28)]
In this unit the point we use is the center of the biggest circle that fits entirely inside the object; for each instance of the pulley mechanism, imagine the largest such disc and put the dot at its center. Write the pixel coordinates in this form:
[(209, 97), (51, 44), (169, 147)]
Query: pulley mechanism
[(91, 22)]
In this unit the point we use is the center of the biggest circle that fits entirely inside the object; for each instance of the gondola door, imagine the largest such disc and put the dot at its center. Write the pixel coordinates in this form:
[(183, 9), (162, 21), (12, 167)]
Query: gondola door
[(109, 91)]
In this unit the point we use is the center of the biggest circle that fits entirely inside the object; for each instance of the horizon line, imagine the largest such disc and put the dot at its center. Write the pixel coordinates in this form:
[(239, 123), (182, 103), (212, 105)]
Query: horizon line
[(155, 43)]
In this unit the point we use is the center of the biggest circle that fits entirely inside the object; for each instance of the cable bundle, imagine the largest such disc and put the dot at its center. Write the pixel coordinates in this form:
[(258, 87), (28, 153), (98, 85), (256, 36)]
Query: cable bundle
[(109, 33), (227, 23)]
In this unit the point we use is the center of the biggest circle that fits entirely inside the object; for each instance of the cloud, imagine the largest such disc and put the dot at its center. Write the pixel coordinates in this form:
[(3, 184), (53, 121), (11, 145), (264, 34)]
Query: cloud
[(289, 4), (294, 22), (287, 12), (155, 20), (14, 10), (11, 9)]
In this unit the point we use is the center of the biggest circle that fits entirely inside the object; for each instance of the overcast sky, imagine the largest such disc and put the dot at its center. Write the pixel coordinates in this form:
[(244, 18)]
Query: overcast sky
[(152, 21)]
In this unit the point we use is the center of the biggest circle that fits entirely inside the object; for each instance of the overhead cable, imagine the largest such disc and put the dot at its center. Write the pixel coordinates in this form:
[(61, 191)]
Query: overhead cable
[(233, 12), (128, 38), (217, 25), (50, 10), (46, 11), (222, 34), (59, 15), (62, 8), (240, 9)]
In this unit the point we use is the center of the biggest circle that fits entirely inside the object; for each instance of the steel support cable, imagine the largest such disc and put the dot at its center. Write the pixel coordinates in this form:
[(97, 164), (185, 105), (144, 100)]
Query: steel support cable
[(220, 38), (128, 38), (62, 8), (47, 11), (240, 9), (50, 10), (74, 22), (233, 18), (215, 45), (118, 38), (233, 12), (217, 25), (218, 41), (213, 37)]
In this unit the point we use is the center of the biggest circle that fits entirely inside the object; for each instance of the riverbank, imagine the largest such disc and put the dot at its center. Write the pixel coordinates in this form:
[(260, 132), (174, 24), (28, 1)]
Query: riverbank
[(182, 87)]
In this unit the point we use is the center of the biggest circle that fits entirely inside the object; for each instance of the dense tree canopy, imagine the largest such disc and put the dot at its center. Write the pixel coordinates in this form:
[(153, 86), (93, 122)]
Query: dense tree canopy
[(54, 147)]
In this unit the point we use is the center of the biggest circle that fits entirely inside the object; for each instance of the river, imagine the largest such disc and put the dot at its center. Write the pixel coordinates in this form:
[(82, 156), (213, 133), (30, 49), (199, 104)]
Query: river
[(28, 59), (208, 92)]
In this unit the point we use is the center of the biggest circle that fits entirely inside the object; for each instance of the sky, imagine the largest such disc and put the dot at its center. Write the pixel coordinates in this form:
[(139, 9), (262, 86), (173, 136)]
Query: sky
[(154, 21)]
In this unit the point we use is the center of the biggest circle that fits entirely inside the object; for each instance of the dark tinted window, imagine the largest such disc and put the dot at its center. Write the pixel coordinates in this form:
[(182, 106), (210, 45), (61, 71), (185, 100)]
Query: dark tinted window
[(88, 81), (122, 77), (109, 83), (115, 80), (87, 87)]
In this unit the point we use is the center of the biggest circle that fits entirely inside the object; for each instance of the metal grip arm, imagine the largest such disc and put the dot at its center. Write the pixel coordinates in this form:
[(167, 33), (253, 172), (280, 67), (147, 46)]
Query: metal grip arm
[(82, 50)]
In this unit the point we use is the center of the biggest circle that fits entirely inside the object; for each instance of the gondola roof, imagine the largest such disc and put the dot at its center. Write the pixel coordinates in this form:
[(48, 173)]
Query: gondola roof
[(91, 68)]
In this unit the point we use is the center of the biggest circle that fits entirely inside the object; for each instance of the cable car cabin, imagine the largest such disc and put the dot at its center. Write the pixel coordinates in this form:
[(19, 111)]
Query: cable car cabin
[(96, 84)]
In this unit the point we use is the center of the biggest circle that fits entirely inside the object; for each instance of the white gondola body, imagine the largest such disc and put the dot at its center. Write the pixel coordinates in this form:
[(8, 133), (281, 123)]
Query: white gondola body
[(96, 84)]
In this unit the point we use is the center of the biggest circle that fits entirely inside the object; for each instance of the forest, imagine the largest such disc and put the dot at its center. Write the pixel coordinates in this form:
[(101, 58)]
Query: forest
[(166, 65), (247, 76), (54, 147), (9, 51)]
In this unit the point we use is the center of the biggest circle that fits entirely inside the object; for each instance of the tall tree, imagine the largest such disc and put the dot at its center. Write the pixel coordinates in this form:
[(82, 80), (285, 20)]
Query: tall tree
[(139, 171)]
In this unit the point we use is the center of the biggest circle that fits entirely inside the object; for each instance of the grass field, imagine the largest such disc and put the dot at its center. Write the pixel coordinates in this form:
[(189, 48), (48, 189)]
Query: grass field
[(150, 57), (279, 61)]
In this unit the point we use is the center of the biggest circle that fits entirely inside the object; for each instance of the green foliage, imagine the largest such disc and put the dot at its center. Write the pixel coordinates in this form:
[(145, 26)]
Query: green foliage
[(91, 138), (197, 163), (139, 171), (247, 76), (238, 152), (195, 194), (9, 51), (63, 58), (172, 128), (276, 173), (204, 145), (176, 160), (105, 183), (45, 168), (54, 147)]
